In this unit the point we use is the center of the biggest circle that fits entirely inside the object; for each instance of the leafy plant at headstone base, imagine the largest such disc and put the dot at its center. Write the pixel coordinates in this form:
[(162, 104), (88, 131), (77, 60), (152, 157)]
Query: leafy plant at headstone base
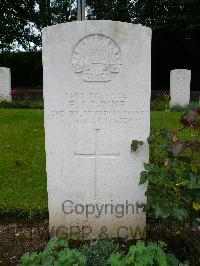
[(98, 252), (173, 175), (57, 253), (101, 253), (145, 255), (161, 102)]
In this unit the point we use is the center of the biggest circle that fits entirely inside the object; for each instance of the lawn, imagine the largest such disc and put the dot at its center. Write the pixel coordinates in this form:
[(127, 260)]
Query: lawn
[(22, 163), (22, 160)]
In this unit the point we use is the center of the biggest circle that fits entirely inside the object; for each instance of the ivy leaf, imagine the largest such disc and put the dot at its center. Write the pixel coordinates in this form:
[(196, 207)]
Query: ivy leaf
[(189, 118), (143, 177), (166, 134), (196, 224), (147, 166), (179, 147), (135, 144), (180, 213), (161, 212), (172, 260), (151, 139)]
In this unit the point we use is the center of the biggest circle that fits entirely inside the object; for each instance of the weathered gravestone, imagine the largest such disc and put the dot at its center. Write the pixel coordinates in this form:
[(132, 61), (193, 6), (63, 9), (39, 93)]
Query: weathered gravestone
[(5, 84), (97, 83), (180, 80)]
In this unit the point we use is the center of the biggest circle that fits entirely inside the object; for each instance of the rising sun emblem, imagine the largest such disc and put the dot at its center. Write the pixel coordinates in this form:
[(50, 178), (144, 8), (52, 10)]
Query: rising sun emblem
[(97, 58)]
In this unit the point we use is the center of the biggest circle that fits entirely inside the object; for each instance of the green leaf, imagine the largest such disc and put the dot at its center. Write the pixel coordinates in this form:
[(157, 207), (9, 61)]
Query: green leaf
[(161, 211), (135, 144), (180, 213), (179, 147), (172, 260), (143, 178)]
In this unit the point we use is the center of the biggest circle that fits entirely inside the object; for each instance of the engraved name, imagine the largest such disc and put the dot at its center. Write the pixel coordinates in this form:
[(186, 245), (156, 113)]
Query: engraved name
[(96, 107)]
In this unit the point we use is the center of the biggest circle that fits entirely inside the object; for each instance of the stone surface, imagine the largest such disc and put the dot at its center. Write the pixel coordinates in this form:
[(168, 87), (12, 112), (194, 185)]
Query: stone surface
[(5, 84), (180, 80), (97, 83)]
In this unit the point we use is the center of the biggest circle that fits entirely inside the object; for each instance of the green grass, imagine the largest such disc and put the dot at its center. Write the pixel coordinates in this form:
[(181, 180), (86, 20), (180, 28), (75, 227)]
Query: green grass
[(171, 121), (22, 104), (156, 105), (22, 160), (162, 105), (22, 163)]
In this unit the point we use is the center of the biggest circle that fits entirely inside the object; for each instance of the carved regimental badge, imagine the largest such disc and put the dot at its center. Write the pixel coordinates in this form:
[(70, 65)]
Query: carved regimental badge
[(97, 58)]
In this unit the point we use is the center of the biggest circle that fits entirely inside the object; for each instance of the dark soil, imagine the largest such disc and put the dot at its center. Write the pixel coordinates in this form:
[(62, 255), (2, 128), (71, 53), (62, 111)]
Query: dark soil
[(18, 237), (184, 244)]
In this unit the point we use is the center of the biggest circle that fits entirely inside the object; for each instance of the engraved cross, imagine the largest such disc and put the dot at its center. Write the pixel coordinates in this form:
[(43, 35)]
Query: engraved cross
[(96, 155)]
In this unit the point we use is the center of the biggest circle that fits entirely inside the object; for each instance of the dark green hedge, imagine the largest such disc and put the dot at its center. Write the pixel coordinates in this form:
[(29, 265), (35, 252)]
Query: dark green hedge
[(170, 50), (26, 68)]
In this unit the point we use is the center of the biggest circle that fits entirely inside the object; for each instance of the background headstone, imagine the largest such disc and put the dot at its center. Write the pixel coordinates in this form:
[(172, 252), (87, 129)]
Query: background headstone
[(97, 86), (180, 80), (5, 84)]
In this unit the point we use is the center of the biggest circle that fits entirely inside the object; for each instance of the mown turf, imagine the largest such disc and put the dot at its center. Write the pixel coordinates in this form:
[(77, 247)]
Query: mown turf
[(22, 163), (22, 159)]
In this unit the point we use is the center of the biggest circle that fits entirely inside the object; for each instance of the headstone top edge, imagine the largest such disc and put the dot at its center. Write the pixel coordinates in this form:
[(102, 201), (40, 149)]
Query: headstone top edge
[(181, 69), (96, 22), (4, 68)]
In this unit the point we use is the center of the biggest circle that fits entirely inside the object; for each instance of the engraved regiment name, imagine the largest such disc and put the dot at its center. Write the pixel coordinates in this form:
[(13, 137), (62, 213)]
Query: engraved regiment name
[(96, 107), (96, 58)]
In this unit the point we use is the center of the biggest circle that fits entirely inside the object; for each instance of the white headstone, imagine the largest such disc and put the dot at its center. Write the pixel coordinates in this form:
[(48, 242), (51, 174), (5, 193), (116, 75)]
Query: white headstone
[(5, 84), (97, 85), (180, 80)]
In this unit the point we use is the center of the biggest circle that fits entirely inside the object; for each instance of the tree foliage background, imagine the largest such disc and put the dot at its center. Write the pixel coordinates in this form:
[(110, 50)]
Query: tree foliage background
[(175, 25)]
